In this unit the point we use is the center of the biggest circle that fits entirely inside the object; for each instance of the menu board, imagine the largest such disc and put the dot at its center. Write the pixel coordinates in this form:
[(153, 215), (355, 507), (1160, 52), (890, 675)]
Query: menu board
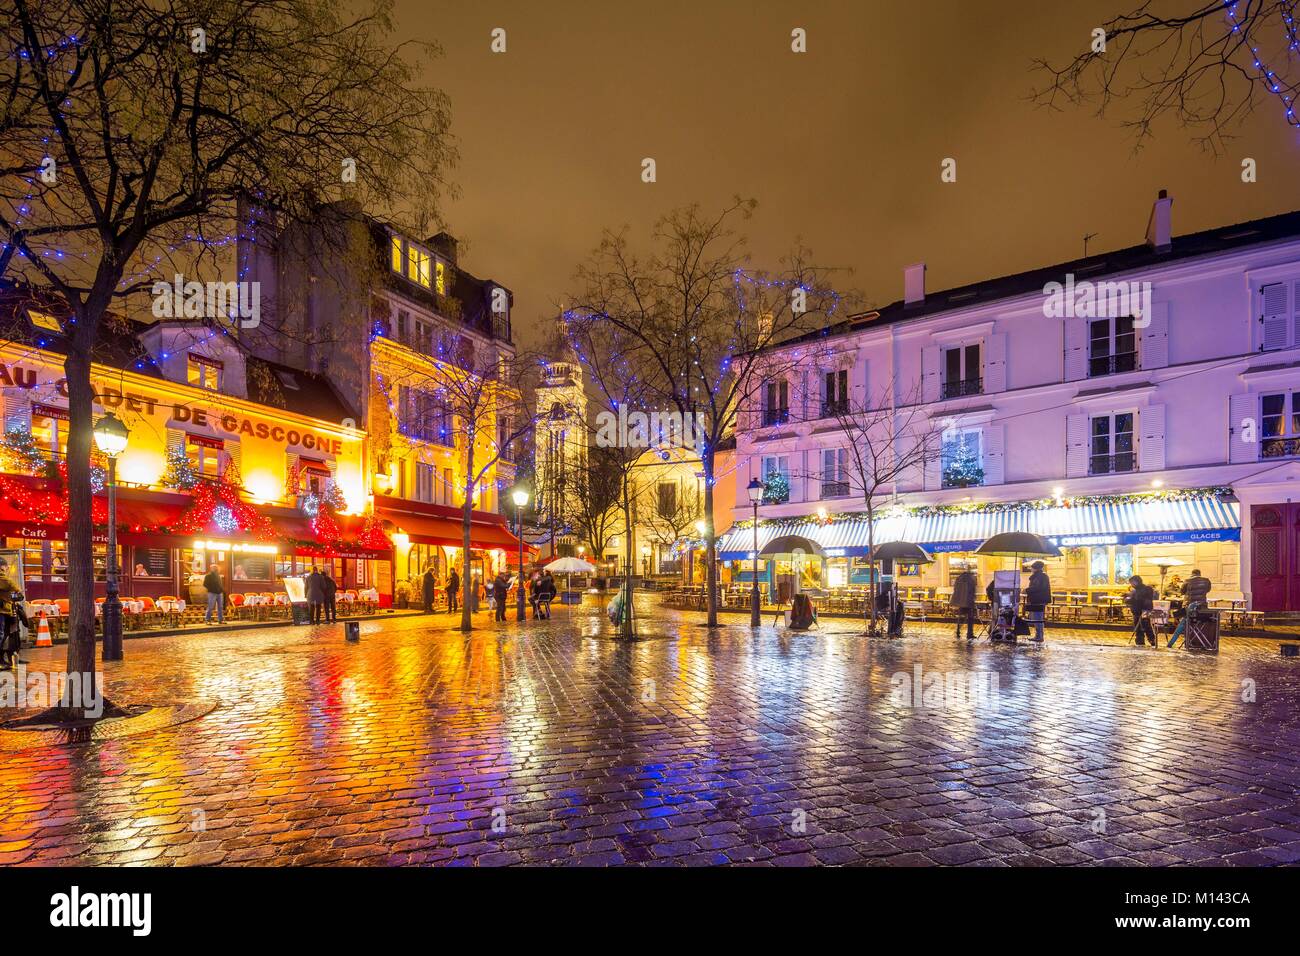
[(151, 563)]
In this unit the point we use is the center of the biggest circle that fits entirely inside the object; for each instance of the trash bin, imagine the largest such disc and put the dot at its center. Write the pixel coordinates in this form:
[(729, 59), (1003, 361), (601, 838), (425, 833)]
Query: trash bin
[(352, 630), (301, 613), (1203, 632)]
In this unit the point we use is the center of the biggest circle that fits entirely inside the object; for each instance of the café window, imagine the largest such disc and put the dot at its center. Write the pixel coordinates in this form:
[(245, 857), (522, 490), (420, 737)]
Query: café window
[(204, 455), (1112, 448), (147, 563), (34, 559), (1279, 425), (254, 567), (203, 372), (1110, 566), (1112, 346), (50, 429)]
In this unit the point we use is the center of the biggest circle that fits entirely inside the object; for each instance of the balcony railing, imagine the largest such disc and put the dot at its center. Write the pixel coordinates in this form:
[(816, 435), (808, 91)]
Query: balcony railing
[(775, 416), (836, 406), (965, 386), (1112, 364), (1285, 446), (1112, 464), (835, 489)]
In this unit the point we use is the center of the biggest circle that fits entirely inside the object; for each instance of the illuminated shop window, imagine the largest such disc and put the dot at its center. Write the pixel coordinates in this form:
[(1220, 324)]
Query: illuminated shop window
[(203, 372)]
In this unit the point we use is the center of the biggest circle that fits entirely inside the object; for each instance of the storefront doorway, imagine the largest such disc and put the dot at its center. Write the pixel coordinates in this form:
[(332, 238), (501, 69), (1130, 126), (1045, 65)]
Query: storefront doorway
[(1275, 557)]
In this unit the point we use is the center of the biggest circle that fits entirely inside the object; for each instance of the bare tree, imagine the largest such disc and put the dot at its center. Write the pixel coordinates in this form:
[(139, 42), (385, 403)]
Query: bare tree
[(132, 130), (595, 498), (887, 440), (1206, 63), (471, 396), (697, 323), (667, 518)]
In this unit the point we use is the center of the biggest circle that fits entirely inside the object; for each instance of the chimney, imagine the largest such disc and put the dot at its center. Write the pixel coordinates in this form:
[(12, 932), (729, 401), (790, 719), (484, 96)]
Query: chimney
[(446, 244), (1159, 226), (914, 284)]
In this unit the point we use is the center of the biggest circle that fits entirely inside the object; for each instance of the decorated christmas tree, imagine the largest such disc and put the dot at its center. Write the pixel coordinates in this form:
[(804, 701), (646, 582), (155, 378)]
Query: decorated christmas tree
[(963, 469)]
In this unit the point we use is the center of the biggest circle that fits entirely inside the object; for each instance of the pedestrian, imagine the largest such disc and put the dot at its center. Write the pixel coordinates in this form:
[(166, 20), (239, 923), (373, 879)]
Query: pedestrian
[(546, 594), (316, 594), (216, 592), (11, 599), (1197, 591), (500, 587), (331, 590), (1037, 596), (430, 589), (963, 602), (1140, 600), (535, 593), (453, 591)]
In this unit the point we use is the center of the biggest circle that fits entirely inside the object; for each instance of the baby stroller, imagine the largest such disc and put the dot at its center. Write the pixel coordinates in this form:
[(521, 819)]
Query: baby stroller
[(1004, 595)]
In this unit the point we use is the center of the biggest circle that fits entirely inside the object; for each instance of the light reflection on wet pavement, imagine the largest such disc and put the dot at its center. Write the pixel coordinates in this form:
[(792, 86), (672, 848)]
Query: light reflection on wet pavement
[(558, 744)]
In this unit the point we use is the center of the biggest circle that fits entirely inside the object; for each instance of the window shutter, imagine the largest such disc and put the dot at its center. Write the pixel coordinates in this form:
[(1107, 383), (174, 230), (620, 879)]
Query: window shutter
[(1243, 420), (290, 465), (930, 373), (1076, 349), (994, 464), (1295, 303), (175, 441), (1151, 443), (1076, 446), (17, 413), (933, 477), (1275, 317), (235, 456), (995, 363), (1155, 337)]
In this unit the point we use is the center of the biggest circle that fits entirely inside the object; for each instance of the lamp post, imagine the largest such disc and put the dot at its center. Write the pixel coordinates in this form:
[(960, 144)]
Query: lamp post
[(520, 497), (755, 496), (110, 438)]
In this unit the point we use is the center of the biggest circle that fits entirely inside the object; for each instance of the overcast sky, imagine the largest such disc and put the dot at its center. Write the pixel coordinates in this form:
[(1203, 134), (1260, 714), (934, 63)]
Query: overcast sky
[(841, 145)]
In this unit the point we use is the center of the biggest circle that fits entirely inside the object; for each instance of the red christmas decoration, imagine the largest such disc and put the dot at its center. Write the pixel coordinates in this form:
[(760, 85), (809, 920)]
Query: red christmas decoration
[(372, 536), (211, 495), (46, 506)]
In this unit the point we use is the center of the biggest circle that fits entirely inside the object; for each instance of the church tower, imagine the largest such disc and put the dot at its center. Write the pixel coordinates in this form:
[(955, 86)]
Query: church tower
[(561, 444)]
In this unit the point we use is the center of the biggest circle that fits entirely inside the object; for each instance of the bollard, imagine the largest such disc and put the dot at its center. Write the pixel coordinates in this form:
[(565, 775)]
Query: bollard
[(353, 630)]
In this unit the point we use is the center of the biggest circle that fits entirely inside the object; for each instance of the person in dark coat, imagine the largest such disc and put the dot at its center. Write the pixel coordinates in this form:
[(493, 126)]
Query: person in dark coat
[(1037, 596), (216, 595), (316, 594), (546, 594), (1140, 600), (453, 591), (963, 602), (331, 589), (429, 589), (500, 587)]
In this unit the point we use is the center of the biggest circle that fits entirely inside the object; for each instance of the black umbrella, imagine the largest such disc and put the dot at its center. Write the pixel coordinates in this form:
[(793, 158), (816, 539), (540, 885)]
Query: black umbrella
[(903, 551), (1018, 544)]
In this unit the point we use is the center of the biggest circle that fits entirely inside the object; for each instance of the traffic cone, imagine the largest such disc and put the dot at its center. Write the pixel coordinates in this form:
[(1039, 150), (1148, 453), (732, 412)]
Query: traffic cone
[(43, 632)]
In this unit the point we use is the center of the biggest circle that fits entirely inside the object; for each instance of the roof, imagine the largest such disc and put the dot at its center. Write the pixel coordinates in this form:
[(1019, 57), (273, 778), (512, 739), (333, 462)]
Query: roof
[(303, 393), (1218, 240), (117, 345)]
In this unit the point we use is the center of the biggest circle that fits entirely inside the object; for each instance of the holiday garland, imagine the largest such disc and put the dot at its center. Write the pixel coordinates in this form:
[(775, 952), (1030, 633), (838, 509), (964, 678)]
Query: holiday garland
[(217, 504)]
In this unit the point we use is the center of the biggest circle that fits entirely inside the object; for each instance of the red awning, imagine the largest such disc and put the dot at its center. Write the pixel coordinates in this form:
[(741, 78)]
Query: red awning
[(140, 520), (440, 524)]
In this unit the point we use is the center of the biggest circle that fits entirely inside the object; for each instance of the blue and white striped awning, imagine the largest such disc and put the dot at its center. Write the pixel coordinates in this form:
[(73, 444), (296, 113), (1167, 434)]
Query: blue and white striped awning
[(1206, 518)]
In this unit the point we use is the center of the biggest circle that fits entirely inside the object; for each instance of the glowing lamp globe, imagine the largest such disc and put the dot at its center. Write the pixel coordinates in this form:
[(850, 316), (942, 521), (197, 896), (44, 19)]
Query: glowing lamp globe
[(520, 497), (111, 435)]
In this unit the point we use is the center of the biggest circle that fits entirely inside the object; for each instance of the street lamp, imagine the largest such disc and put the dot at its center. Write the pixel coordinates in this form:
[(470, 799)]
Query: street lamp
[(520, 497), (755, 496), (110, 438)]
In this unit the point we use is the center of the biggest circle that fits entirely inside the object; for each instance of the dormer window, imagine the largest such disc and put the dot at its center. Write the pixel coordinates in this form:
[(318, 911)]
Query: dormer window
[(414, 262), (418, 264), (203, 372)]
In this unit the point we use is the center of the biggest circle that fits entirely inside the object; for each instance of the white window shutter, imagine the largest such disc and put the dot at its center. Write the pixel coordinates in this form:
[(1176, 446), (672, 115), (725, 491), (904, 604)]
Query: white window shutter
[(291, 463), (934, 466), (17, 413), (175, 441), (1243, 422), (1295, 307), (1154, 338), (1275, 317), (994, 464), (930, 373), (1151, 442), (235, 456), (1076, 446), (995, 363), (1076, 349)]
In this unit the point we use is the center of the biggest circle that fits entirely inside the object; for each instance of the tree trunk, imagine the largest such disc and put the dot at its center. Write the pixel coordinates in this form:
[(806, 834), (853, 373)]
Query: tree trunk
[(625, 620), (871, 571), (466, 513), (710, 542), (80, 558)]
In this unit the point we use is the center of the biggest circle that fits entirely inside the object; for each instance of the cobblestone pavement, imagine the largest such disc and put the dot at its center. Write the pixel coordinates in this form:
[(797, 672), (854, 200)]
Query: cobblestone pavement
[(558, 744)]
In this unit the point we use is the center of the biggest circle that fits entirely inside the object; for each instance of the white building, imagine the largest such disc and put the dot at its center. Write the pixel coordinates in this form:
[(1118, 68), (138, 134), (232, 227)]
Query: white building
[(1128, 433)]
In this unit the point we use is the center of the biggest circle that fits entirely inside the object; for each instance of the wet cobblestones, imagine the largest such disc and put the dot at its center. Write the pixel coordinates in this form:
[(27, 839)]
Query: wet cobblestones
[(558, 744)]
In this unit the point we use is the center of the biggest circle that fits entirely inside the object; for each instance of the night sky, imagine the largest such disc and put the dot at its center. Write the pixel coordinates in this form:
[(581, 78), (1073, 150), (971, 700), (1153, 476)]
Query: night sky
[(841, 145)]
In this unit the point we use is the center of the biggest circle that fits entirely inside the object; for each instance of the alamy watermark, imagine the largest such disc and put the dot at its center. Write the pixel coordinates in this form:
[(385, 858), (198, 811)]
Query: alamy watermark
[(22, 689), (1098, 300), (944, 690), (208, 300), (653, 429)]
